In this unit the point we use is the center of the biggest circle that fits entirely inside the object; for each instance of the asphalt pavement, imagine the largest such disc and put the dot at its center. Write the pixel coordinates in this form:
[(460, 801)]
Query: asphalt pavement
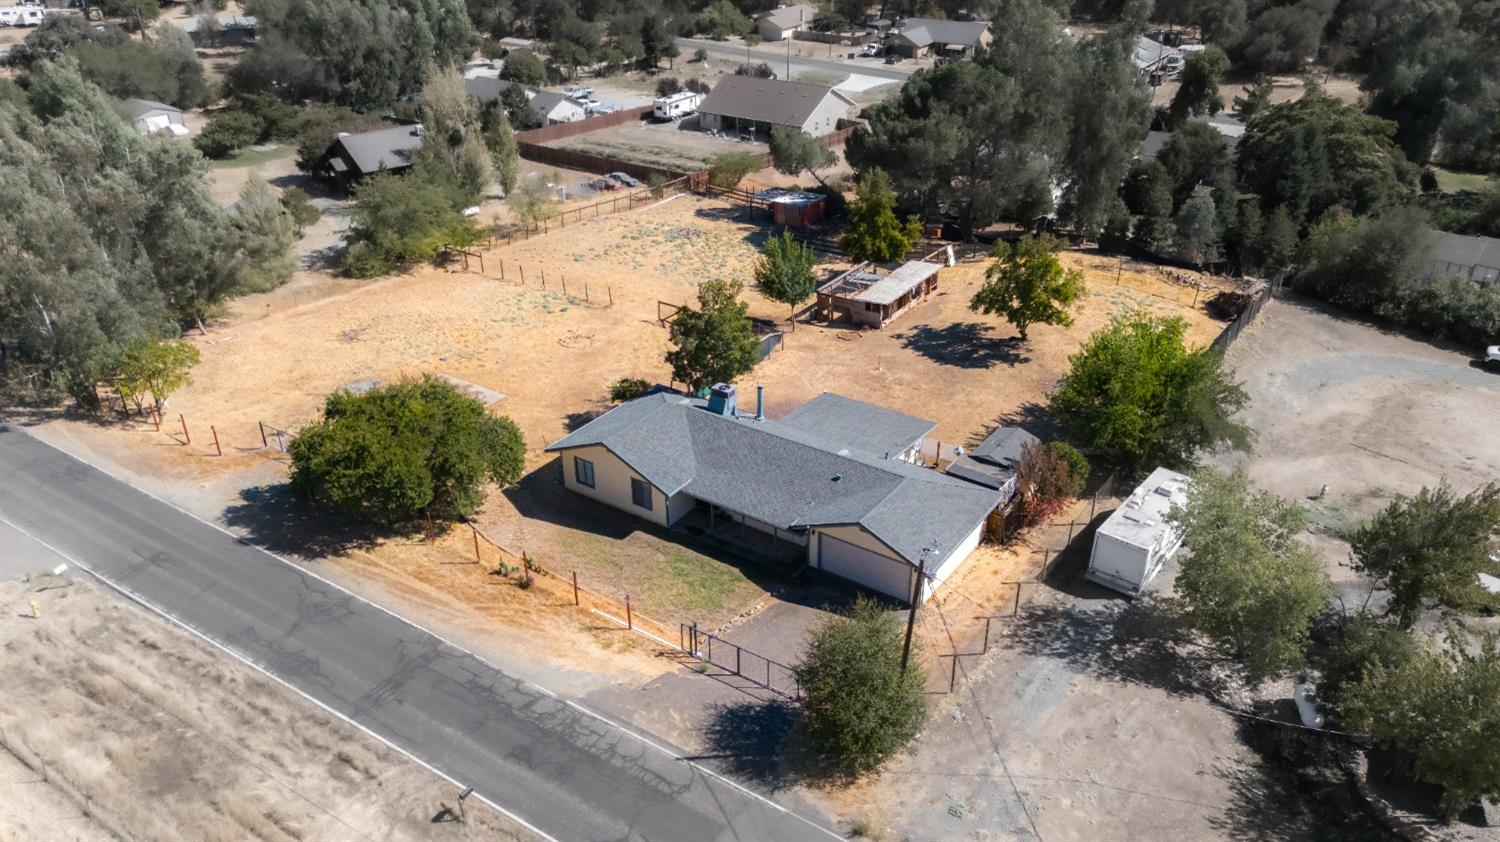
[(551, 764)]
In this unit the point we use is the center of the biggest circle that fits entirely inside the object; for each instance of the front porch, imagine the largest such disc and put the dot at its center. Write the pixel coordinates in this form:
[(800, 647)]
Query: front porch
[(756, 541)]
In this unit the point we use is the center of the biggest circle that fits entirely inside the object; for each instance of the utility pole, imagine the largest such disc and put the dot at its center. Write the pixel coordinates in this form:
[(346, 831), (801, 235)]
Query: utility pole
[(911, 617)]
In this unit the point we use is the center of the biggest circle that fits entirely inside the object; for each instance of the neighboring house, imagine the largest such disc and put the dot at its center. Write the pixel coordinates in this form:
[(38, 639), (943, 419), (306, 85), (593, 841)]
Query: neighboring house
[(745, 104), (234, 30), (550, 107), (352, 157), (1137, 539), (1231, 129), (834, 477), (870, 296), (994, 461), (1475, 258), (1155, 57), (916, 37), (151, 118), (782, 21), (508, 44)]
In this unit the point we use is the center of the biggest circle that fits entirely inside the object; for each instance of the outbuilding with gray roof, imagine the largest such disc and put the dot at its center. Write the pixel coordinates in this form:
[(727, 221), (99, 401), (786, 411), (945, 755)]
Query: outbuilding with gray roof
[(751, 106), (352, 157)]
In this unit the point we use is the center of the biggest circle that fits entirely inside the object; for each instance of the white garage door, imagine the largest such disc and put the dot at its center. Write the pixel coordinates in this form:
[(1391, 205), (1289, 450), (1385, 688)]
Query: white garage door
[(868, 568)]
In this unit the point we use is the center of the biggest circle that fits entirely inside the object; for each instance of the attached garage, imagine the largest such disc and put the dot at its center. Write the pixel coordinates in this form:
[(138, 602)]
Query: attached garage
[(864, 566)]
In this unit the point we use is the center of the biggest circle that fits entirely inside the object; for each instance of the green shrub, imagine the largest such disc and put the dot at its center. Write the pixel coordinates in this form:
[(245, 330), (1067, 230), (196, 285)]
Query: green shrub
[(627, 388), (859, 705), (398, 221), (300, 208), (227, 133), (727, 168), (395, 452)]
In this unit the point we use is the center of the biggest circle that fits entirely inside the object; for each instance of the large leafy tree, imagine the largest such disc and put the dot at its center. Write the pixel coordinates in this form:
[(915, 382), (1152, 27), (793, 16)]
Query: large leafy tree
[(1439, 707), (156, 368), (399, 220), (1430, 548), (1108, 124), (398, 451), (1135, 392), (1198, 93), (1195, 155), (453, 147), (1028, 285), (109, 238), (524, 68), (1196, 235), (1248, 583), (1317, 153), (793, 150), (859, 706), (874, 232), (715, 343), (500, 138), (784, 272), (362, 53)]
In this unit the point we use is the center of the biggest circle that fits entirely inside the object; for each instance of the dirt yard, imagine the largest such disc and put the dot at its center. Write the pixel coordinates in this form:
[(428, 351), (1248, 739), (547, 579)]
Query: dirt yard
[(670, 145), (1367, 411), (146, 733), (553, 355)]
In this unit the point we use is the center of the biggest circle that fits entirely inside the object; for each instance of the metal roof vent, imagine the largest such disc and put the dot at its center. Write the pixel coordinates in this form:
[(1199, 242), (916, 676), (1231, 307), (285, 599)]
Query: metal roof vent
[(838, 477)]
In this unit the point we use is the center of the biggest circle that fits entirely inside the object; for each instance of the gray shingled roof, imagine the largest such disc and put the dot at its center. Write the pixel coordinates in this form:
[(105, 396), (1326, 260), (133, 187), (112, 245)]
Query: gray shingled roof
[(1460, 250), (390, 148), (788, 16), (1149, 52), (993, 461), (847, 423), (766, 100), (485, 88), (785, 476), (137, 108), (924, 31)]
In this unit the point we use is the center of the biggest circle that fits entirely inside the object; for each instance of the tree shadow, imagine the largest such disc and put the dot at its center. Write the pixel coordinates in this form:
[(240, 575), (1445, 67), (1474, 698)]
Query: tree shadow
[(963, 345), (574, 420), (1299, 785), (271, 516), (750, 740), (1031, 416), (1143, 641)]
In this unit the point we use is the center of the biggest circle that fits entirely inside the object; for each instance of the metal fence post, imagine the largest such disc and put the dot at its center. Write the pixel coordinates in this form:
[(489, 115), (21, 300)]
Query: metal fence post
[(629, 620)]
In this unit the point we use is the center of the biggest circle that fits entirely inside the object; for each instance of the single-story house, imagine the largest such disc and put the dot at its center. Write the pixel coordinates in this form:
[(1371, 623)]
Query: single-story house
[(1155, 57), (352, 157), (915, 37), (993, 462), (550, 107), (233, 30), (743, 104), (1475, 258), (151, 118), (871, 296), (834, 477), (1230, 129), (782, 21)]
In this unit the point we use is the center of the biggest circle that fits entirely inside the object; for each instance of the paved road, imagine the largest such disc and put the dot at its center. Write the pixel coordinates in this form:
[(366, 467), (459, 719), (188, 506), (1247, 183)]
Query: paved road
[(864, 67), (558, 768)]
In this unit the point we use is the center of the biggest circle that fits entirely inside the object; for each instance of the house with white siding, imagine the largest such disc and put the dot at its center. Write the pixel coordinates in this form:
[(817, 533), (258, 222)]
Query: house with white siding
[(834, 479)]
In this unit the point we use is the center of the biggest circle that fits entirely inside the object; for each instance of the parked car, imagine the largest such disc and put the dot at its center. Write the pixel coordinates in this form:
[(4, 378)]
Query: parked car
[(871, 50), (578, 93), (1492, 357), (604, 182), (588, 103), (624, 179), (605, 108)]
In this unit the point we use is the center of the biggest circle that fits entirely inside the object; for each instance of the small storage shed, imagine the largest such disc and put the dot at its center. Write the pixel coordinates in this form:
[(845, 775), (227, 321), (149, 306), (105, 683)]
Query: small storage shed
[(794, 208), (871, 296), (1137, 539)]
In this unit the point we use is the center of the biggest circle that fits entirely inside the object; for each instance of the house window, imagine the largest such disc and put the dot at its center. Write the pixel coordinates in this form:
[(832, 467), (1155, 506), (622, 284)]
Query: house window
[(640, 493), (871, 308), (583, 472)]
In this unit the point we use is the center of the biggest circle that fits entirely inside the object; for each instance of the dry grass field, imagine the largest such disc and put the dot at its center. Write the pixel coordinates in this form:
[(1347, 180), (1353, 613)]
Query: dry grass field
[(156, 736), (553, 356)]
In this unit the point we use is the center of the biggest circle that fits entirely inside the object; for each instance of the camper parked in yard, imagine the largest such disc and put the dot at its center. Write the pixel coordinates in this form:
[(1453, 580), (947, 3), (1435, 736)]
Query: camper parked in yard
[(676, 106), (22, 16), (1137, 539)]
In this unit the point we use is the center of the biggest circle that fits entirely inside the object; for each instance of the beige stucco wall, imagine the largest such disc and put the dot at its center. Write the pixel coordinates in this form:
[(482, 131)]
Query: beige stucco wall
[(612, 484)]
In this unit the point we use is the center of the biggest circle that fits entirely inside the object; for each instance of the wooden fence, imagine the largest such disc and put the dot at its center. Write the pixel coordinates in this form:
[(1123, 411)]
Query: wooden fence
[(559, 131)]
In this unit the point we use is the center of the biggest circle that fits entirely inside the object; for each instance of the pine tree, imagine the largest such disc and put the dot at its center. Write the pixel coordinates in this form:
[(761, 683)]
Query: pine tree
[(874, 233)]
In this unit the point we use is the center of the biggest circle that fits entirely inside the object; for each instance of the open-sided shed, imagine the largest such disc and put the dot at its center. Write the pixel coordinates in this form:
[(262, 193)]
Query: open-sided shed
[(871, 296)]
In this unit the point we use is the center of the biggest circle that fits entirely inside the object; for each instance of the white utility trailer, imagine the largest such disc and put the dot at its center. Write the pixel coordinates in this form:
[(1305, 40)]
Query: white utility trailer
[(1137, 539), (676, 106)]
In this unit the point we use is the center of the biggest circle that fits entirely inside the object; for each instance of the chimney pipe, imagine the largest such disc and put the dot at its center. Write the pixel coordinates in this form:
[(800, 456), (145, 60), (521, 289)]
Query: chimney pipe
[(760, 402)]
